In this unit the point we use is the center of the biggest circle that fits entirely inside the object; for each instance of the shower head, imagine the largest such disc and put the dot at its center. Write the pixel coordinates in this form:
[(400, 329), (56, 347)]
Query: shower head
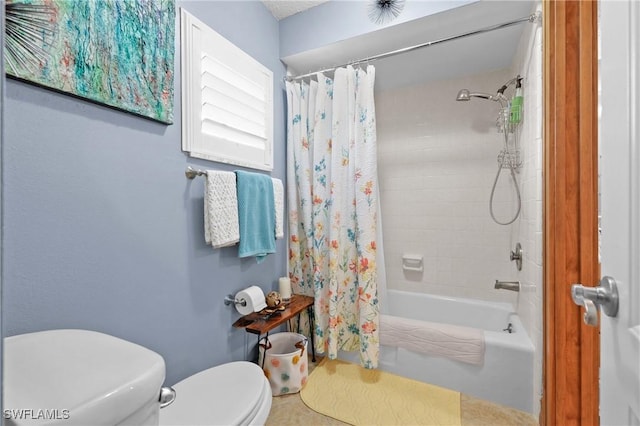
[(465, 95)]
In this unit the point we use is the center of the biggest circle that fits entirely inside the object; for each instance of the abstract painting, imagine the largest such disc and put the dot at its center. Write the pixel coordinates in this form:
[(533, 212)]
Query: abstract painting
[(114, 52)]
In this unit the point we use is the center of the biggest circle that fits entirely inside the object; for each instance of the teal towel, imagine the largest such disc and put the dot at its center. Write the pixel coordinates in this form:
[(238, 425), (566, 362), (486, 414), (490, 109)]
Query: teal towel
[(256, 215)]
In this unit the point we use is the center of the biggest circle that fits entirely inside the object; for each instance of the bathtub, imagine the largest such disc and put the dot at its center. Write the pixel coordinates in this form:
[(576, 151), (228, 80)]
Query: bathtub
[(505, 377)]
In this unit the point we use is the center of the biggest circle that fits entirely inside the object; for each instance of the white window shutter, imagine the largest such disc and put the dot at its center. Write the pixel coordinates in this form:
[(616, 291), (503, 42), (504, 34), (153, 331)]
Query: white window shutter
[(227, 100)]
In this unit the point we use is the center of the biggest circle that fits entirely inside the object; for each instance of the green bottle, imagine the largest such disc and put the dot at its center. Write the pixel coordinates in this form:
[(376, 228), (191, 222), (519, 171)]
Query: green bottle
[(515, 115)]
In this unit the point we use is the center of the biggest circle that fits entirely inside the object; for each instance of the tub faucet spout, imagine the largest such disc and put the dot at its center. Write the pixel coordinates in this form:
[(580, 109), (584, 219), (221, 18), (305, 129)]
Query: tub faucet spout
[(507, 285)]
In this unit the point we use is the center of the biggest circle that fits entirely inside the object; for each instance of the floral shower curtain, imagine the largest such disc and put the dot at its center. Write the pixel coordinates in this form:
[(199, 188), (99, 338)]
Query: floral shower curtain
[(333, 207)]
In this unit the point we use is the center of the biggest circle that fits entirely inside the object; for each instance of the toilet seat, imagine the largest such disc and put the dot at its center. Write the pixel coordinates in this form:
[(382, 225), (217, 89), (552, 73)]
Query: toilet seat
[(236, 393)]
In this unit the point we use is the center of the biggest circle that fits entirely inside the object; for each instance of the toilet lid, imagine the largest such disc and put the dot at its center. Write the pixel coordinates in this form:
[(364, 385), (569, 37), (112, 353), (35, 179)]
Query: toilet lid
[(229, 394)]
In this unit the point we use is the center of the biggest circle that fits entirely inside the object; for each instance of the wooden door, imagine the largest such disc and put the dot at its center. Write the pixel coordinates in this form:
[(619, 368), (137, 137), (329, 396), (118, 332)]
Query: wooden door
[(570, 210)]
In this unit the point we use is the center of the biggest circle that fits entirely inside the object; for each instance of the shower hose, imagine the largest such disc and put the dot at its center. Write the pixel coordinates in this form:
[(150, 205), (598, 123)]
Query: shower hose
[(493, 190), (495, 183)]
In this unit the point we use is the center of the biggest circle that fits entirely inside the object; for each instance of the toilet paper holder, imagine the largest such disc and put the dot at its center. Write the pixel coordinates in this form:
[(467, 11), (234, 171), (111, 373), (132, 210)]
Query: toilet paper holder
[(229, 299), (247, 301)]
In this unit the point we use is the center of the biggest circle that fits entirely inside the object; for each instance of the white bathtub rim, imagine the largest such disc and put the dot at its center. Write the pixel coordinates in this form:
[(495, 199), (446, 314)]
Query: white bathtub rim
[(502, 306)]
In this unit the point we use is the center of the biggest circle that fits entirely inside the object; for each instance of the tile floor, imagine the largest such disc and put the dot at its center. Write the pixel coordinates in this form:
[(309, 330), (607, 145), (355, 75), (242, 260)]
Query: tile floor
[(290, 410)]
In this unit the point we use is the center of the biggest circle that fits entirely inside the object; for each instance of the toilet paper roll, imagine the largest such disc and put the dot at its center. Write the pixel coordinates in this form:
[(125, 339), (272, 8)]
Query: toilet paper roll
[(255, 300)]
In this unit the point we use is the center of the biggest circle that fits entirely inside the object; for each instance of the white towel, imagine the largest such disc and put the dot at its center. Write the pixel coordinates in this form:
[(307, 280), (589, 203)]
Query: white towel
[(278, 198), (463, 344), (221, 227)]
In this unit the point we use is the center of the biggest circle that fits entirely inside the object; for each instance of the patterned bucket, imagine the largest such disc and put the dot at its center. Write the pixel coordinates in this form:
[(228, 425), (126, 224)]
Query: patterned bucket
[(283, 359)]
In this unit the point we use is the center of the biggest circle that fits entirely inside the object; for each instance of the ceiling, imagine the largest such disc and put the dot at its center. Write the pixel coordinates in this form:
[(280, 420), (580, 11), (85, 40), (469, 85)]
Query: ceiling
[(281, 9), (465, 56)]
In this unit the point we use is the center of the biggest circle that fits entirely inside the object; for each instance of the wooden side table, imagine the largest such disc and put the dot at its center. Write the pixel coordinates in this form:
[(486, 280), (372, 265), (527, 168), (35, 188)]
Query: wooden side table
[(255, 323)]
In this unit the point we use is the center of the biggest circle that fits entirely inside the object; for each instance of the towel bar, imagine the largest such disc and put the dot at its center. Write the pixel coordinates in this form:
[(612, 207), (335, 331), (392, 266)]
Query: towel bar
[(191, 173)]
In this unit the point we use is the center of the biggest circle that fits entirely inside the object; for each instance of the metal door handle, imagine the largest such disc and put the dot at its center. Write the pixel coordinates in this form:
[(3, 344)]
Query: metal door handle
[(604, 296)]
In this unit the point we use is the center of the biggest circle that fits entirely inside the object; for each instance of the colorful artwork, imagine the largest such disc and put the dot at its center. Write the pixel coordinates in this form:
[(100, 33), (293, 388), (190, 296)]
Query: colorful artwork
[(114, 52)]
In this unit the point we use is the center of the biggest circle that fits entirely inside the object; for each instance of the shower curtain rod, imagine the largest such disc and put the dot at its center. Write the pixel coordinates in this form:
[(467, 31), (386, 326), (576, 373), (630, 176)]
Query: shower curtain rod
[(533, 18)]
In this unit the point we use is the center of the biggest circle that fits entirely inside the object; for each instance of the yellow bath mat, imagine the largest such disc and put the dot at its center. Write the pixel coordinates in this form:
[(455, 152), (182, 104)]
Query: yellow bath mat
[(358, 396)]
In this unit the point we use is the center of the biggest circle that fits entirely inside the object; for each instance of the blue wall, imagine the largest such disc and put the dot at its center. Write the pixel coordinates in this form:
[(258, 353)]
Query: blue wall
[(102, 230)]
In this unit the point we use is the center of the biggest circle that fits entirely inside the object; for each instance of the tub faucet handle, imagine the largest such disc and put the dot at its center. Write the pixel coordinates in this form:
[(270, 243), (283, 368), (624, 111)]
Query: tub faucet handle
[(516, 255)]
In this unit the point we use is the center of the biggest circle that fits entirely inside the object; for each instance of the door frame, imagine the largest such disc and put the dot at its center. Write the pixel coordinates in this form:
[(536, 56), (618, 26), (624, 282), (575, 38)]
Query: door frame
[(571, 350)]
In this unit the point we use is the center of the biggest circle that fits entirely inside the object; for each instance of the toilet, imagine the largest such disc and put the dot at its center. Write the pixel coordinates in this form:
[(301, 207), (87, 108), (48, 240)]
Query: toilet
[(241, 396), (80, 377)]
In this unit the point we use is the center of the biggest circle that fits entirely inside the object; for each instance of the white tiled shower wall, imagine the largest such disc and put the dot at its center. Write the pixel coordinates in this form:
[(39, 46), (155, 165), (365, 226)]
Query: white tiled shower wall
[(528, 229), (436, 165)]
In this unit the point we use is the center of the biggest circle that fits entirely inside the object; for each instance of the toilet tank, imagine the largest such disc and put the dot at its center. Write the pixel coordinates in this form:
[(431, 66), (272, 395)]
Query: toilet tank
[(80, 377)]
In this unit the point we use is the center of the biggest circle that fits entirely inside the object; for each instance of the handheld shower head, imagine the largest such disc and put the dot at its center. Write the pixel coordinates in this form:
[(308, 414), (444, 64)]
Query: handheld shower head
[(465, 95)]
